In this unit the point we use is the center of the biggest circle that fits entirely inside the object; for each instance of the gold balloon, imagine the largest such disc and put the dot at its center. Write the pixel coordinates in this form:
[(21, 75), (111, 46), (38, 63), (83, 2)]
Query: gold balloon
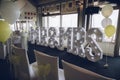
[(107, 10), (4, 31), (47, 69), (109, 30)]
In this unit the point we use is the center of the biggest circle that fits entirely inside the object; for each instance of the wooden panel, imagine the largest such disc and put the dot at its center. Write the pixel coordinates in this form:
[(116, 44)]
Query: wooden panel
[(69, 7), (46, 1), (117, 42)]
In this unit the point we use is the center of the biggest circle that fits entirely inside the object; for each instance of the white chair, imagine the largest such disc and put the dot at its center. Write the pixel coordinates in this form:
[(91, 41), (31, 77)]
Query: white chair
[(23, 69), (54, 72), (73, 72), (3, 52), (16, 38)]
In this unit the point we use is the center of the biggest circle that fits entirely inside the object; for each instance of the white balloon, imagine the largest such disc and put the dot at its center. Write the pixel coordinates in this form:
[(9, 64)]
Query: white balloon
[(21, 3), (9, 11), (107, 10), (106, 21)]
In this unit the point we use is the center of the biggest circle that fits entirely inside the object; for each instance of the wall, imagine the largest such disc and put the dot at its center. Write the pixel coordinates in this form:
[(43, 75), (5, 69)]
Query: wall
[(107, 47)]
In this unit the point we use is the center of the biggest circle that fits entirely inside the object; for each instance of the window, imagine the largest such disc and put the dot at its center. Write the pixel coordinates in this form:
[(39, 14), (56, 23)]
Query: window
[(96, 23), (51, 21), (69, 20), (44, 22), (22, 25)]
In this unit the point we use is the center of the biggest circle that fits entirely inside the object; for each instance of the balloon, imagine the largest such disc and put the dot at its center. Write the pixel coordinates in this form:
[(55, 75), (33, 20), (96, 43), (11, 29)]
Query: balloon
[(21, 3), (4, 31), (109, 30), (9, 11), (106, 21), (107, 10)]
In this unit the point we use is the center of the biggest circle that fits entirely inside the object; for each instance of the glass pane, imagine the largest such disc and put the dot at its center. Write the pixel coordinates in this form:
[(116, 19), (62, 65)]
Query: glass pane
[(54, 21), (69, 20), (44, 22)]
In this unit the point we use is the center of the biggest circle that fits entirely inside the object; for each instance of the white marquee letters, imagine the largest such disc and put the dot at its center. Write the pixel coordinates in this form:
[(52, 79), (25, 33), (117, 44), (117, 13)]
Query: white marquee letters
[(75, 37)]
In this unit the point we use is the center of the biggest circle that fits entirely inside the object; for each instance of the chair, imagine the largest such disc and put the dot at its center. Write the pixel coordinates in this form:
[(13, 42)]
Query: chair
[(16, 39), (3, 52), (23, 69), (54, 73), (73, 72)]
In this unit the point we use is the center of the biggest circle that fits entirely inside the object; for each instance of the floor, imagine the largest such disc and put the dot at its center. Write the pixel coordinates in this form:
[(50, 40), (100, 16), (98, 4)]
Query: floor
[(5, 70), (113, 70)]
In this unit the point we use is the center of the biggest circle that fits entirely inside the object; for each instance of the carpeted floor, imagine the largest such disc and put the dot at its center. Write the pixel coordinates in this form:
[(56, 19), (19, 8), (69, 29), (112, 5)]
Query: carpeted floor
[(113, 71), (5, 71)]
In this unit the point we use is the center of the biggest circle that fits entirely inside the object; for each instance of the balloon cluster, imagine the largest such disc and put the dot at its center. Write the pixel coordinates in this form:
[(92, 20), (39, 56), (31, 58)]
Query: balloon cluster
[(107, 22), (10, 10)]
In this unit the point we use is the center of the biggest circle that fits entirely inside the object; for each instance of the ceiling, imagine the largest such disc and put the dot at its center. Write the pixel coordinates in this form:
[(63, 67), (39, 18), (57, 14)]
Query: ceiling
[(34, 2), (42, 2)]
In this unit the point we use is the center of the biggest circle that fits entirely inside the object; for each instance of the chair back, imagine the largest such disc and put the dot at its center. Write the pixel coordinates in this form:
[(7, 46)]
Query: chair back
[(73, 72), (23, 63), (3, 52), (51, 64)]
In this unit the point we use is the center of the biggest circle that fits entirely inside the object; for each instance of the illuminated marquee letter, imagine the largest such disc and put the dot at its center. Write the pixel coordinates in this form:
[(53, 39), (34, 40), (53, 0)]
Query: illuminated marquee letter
[(96, 33), (78, 40), (32, 35), (43, 35), (37, 35), (94, 52), (61, 38), (68, 35), (52, 35)]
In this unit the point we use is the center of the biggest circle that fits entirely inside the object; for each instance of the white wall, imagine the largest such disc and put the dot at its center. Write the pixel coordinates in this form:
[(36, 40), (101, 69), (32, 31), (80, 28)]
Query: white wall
[(107, 47), (27, 8)]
